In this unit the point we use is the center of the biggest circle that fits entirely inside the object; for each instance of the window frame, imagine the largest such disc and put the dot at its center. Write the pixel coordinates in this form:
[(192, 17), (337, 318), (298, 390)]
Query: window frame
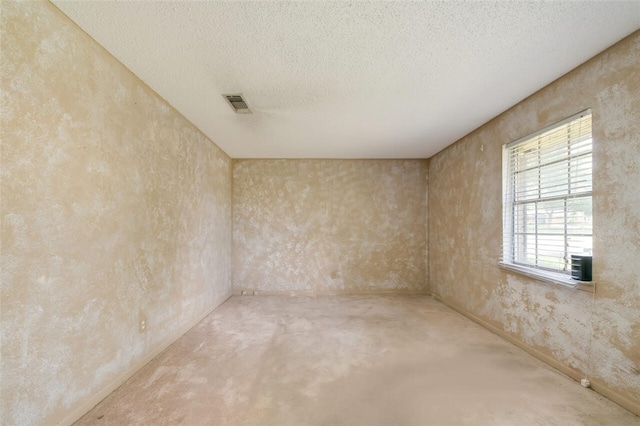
[(508, 259)]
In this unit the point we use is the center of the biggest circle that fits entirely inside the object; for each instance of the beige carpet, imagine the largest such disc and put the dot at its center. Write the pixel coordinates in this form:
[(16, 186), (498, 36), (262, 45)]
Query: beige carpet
[(350, 360)]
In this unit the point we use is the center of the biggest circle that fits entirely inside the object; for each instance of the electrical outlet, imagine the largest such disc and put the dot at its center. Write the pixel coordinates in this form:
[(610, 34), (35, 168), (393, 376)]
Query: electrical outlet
[(142, 323)]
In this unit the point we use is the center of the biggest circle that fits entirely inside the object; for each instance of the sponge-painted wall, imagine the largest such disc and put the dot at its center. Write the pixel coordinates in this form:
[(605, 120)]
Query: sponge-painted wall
[(329, 226), (465, 226), (115, 209)]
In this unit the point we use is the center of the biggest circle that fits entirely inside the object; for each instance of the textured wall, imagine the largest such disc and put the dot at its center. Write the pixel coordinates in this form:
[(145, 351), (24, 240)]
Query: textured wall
[(329, 226), (113, 207), (466, 227)]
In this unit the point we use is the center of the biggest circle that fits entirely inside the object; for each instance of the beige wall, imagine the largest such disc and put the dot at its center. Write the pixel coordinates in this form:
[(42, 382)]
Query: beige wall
[(329, 226), (465, 229), (113, 207)]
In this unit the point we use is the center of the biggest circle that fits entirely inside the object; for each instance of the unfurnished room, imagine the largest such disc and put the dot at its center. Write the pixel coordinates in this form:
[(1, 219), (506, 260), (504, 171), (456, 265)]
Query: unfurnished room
[(349, 213)]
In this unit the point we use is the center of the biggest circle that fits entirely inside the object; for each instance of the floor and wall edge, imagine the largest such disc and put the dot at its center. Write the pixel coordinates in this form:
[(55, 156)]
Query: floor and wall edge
[(102, 393), (597, 385), (311, 293)]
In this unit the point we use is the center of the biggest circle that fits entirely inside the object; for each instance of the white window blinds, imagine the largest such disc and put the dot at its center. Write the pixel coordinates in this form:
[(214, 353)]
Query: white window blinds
[(547, 196)]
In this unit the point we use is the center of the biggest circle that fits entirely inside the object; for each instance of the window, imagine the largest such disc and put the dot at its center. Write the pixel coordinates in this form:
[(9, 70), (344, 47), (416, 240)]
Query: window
[(547, 199)]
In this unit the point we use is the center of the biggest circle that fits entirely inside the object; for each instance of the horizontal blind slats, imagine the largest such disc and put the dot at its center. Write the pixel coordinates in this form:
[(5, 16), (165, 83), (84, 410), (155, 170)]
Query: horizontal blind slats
[(547, 193)]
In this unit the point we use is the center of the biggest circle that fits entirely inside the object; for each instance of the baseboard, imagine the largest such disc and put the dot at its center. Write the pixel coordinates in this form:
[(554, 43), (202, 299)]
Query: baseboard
[(600, 387), (102, 393), (237, 292), (597, 385)]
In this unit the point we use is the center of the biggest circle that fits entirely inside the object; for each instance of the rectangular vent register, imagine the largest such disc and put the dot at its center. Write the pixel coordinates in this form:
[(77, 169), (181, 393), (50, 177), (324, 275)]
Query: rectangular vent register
[(238, 103)]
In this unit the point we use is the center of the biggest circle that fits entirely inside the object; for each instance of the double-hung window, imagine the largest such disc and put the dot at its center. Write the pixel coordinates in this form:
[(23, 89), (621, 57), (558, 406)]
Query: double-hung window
[(547, 199)]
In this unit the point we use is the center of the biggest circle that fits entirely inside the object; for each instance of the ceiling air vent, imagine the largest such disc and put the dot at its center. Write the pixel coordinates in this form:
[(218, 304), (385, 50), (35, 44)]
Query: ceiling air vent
[(238, 103)]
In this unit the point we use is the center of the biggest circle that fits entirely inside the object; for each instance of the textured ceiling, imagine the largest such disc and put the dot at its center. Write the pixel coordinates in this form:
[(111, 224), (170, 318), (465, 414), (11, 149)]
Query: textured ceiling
[(349, 79)]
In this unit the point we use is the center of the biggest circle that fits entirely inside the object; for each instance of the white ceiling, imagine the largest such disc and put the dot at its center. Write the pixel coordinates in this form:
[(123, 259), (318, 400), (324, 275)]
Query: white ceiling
[(349, 79)]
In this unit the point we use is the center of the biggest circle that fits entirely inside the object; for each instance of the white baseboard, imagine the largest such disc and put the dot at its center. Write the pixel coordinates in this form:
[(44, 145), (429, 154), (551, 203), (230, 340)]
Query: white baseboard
[(86, 405)]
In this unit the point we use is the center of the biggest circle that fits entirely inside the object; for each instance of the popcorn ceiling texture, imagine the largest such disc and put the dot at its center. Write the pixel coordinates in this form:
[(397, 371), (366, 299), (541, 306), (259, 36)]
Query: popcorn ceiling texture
[(329, 226), (350, 79), (465, 228), (114, 207)]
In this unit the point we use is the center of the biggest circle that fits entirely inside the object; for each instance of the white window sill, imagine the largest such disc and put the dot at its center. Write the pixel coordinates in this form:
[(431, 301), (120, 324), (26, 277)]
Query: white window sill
[(550, 277)]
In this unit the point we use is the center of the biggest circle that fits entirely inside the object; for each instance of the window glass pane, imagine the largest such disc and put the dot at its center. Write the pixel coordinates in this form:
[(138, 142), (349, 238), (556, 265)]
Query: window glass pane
[(524, 219), (551, 217), (551, 251), (529, 159), (553, 179), (548, 212), (525, 249), (581, 146), (582, 245), (579, 217), (580, 174), (558, 151), (528, 184)]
